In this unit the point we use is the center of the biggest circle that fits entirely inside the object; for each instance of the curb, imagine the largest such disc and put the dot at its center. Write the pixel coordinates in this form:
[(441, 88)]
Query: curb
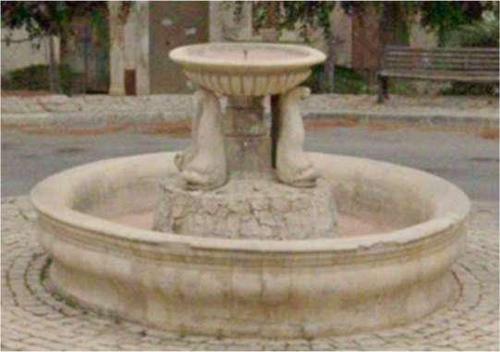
[(79, 121), (440, 120), (137, 120)]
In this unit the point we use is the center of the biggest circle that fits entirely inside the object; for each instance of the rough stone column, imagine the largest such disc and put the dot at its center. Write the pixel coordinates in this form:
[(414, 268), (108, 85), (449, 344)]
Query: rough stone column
[(116, 52), (248, 147)]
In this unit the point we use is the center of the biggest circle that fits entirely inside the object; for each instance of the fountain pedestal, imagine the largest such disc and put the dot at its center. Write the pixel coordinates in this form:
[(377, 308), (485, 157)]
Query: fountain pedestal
[(247, 139), (253, 203), (227, 187), (247, 208)]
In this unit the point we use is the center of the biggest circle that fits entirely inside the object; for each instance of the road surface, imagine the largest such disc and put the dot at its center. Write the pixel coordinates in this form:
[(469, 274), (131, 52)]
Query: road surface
[(467, 160)]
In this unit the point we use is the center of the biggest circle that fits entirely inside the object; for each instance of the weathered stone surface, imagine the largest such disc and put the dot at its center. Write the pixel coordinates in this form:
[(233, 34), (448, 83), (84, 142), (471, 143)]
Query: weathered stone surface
[(247, 69), (203, 166), (246, 209), (264, 288), (247, 141), (246, 73), (292, 163)]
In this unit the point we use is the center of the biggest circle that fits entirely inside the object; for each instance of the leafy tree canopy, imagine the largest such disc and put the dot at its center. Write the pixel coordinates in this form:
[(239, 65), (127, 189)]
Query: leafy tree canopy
[(41, 18), (440, 16)]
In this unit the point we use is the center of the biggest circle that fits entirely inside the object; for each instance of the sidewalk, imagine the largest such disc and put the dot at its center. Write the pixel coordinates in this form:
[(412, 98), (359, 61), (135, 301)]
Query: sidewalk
[(105, 112)]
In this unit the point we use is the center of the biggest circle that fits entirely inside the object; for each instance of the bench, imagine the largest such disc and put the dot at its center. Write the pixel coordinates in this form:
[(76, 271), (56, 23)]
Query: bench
[(478, 65)]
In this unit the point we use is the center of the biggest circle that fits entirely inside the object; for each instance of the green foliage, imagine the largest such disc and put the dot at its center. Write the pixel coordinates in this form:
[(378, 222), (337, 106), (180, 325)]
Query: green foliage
[(51, 18), (464, 88), (304, 13), (41, 18), (481, 33), (346, 81), (36, 77), (446, 16), (401, 87), (309, 14)]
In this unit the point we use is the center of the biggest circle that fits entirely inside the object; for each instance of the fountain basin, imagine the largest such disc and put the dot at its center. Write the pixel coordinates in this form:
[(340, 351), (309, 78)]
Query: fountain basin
[(263, 288), (247, 69)]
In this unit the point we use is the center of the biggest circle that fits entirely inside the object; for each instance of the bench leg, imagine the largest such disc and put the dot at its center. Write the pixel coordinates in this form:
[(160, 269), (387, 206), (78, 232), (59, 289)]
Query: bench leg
[(383, 89)]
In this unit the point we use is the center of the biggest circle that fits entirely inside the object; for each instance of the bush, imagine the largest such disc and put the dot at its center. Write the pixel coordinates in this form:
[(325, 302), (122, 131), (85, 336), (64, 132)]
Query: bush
[(482, 33), (36, 77), (346, 81)]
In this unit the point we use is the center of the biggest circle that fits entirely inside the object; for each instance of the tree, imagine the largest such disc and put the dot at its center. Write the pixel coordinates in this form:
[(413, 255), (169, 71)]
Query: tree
[(445, 17), (480, 33), (314, 14), (395, 18), (280, 15), (118, 14), (50, 19)]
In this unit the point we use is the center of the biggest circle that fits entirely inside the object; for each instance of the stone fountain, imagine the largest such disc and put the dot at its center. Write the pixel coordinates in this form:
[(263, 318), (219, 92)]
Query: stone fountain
[(231, 152), (247, 235)]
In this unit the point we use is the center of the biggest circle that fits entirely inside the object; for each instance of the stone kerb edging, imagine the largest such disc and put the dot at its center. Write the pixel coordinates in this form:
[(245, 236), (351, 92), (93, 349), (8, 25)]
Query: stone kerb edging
[(134, 113)]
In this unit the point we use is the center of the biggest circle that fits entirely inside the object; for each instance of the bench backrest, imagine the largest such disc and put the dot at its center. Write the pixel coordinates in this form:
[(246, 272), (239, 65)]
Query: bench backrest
[(469, 61)]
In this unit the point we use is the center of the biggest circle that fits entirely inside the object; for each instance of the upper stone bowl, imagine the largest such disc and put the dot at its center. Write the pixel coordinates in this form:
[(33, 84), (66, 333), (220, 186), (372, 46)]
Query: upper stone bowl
[(247, 69)]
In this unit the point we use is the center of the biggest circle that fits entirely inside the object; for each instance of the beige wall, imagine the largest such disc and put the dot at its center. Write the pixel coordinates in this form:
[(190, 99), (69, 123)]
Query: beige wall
[(19, 55)]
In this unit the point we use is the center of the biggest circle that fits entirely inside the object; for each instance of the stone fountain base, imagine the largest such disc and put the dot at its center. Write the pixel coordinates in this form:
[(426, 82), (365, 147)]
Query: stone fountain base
[(261, 288), (258, 208)]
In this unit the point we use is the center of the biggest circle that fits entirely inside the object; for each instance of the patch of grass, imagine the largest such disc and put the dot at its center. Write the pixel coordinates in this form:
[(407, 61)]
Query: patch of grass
[(349, 82), (402, 88), (464, 88)]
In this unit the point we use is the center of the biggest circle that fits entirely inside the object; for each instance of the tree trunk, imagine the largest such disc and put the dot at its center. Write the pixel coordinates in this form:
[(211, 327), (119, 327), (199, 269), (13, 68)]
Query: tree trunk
[(117, 49), (329, 70), (54, 74)]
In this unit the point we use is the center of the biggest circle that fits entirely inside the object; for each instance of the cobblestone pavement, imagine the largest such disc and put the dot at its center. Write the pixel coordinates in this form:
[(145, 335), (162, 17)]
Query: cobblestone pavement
[(34, 319), (101, 111)]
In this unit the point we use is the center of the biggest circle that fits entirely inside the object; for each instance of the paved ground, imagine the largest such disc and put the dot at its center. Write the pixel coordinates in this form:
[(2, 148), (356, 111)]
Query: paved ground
[(108, 112), (467, 160), (35, 319)]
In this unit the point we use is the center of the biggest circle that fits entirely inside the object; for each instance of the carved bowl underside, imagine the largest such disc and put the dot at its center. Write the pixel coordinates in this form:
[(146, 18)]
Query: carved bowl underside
[(248, 84), (249, 69)]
